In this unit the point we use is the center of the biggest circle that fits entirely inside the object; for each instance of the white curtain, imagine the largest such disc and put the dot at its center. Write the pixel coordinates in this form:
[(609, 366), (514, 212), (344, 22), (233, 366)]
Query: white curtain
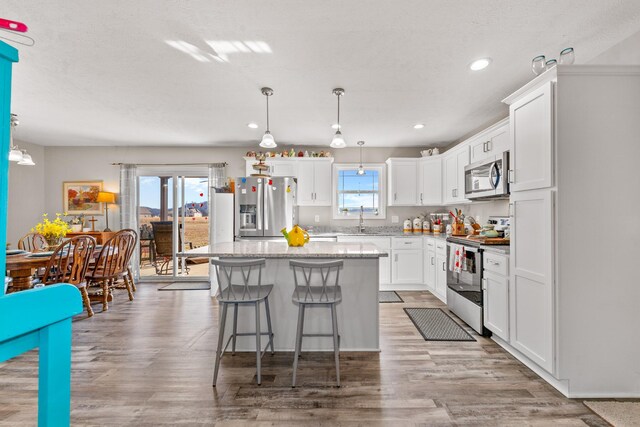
[(129, 209), (217, 179)]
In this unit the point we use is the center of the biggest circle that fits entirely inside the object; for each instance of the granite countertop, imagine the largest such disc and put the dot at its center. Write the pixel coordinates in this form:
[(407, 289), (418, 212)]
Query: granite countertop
[(369, 232), (276, 249)]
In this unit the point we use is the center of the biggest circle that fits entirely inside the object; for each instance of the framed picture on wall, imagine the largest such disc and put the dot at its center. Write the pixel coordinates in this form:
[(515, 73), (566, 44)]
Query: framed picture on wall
[(80, 197)]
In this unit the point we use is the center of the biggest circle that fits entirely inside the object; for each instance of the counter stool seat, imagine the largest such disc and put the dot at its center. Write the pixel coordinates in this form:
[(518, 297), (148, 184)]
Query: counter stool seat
[(316, 285), (240, 283)]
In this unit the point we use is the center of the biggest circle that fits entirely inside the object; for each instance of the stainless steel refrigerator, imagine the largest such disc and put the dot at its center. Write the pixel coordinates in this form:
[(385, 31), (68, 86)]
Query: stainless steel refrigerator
[(264, 206)]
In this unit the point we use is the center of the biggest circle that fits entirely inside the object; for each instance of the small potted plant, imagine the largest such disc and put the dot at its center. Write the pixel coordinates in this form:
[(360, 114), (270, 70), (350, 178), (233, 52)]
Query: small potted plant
[(76, 223), (53, 231)]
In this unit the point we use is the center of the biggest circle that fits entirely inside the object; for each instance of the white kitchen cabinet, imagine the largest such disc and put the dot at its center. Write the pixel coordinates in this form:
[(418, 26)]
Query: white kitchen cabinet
[(531, 142), (314, 182), (454, 163), (407, 262), (441, 274), (402, 182), (278, 167), (531, 276), (495, 287), (490, 142), (430, 181), (430, 264), (384, 263)]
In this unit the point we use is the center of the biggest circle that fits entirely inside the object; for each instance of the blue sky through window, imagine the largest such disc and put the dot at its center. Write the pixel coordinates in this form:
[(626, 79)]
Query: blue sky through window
[(358, 190), (150, 191)]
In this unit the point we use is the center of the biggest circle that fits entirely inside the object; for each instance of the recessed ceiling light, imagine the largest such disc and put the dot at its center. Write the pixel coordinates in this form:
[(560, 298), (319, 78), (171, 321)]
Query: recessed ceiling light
[(335, 126), (480, 64), (252, 125), (418, 126)]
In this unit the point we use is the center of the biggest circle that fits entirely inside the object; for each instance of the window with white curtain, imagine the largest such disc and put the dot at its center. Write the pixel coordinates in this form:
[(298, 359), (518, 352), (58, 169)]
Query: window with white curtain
[(353, 191)]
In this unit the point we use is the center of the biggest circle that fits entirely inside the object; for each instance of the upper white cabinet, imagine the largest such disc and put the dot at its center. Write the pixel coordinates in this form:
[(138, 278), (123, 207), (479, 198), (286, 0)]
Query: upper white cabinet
[(490, 142), (454, 162), (430, 181), (314, 182), (402, 182), (532, 127), (282, 167)]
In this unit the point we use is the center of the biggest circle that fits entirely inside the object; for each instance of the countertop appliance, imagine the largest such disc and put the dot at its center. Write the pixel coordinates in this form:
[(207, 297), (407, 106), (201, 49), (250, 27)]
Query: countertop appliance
[(464, 289), (264, 206), (487, 178)]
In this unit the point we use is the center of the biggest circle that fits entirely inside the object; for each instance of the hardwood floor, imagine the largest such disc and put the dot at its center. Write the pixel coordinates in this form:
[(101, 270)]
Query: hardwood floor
[(150, 362)]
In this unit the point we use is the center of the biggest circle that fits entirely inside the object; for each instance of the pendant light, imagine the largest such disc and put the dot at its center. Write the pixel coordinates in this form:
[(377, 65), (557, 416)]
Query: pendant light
[(267, 138), (338, 140), (26, 159), (360, 168), (15, 155)]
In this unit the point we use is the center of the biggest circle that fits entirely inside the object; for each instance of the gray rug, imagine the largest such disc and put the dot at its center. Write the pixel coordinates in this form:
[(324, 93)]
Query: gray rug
[(619, 414), (186, 286), (389, 296), (436, 325)]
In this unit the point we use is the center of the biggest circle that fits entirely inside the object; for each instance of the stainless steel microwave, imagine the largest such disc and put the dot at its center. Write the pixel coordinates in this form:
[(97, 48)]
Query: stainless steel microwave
[(487, 178)]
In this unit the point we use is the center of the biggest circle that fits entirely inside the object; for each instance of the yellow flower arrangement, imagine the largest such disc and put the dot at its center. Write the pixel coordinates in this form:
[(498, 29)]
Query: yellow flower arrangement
[(52, 230)]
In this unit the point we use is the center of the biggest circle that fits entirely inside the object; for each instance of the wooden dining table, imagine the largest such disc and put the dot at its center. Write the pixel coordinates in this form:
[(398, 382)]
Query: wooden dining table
[(21, 269)]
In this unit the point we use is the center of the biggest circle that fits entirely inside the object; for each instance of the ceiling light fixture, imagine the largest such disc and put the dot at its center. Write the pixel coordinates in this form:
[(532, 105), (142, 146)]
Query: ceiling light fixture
[(26, 159), (418, 126), (252, 125), (15, 153), (335, 126), (338, 140), (480, 64), (360, 168), (267, 138)]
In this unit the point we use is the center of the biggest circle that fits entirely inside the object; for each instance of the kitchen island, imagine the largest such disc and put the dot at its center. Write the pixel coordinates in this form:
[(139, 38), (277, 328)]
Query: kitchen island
[(357, 313)]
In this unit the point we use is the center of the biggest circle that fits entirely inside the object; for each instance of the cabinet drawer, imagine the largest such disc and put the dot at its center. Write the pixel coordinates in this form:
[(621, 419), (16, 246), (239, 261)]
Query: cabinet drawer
[(430, 242), (495, 263), (406, 243), (441, 246)]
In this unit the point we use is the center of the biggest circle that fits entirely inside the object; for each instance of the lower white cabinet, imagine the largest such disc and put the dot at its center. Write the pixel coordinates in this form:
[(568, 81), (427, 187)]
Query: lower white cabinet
[(407, 266), (495, 288), (435, 267), (430, 265), (441, 274), (384, 265)]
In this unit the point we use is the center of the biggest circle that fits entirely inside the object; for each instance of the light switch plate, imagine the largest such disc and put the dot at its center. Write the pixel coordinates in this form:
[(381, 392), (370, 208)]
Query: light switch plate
[(317, 218), (395, 219)]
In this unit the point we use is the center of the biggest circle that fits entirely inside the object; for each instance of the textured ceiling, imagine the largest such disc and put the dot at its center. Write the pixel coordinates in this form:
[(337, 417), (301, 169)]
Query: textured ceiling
[(109, 72)]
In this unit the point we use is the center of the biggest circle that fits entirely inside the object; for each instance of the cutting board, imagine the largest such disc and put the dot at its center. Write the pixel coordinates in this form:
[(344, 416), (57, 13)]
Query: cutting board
[(489, 240)]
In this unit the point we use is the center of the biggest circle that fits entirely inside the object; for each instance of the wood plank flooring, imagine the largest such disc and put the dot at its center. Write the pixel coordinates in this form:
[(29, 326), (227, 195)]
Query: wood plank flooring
[(149, 362)]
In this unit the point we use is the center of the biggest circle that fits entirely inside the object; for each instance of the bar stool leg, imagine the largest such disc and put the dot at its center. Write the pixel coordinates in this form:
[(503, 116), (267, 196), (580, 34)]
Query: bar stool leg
[(223, 320), (266, 307), (299, 332), (258, 346), (235, 329), (336, 341)]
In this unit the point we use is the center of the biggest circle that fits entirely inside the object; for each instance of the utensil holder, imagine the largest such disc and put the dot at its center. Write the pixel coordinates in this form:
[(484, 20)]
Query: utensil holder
[(457, 229)]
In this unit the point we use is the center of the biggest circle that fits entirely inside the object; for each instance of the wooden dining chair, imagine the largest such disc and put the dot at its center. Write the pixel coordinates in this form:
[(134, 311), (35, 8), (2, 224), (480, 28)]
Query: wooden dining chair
[(163, 246), (33, 242), (112, 265), (128, 273), (69, 264)]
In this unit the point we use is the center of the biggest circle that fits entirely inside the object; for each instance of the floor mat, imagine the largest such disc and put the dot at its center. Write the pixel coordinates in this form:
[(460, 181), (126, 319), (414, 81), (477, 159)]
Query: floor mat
[(619, 414), (389, 296), (186, 286), (436, 325)]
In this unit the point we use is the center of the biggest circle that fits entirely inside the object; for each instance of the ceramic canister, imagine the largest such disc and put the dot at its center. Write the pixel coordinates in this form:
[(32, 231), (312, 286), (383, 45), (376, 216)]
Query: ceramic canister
[(417, 225), (426, 226), (408, 226)]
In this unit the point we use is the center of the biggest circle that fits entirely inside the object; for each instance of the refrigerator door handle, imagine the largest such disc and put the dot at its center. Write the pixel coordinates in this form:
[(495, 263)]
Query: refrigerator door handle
[(266, 206), (259, 208)]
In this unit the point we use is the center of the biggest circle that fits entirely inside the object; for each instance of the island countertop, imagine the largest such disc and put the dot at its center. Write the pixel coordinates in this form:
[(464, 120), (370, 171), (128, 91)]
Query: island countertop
[(276, 249)]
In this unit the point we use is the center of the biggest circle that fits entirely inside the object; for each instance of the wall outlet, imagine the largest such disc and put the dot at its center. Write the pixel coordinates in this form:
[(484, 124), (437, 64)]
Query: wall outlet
[(395, 219), (317, 218)]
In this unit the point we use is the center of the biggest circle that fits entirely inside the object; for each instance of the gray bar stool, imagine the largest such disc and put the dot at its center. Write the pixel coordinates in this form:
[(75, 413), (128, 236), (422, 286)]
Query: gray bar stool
[(314, 287), (246, 290)]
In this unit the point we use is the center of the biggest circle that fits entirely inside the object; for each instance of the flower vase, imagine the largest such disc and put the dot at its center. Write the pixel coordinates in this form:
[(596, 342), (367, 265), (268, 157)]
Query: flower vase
[(76, 228), (53, 242)]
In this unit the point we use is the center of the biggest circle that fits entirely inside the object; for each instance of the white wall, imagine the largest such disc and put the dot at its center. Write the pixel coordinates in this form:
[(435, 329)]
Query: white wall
[(627, 52), (26, 194)]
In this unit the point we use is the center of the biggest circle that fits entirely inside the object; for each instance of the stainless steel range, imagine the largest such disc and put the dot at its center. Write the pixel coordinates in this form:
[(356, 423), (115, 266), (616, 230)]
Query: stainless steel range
[(464, 288)]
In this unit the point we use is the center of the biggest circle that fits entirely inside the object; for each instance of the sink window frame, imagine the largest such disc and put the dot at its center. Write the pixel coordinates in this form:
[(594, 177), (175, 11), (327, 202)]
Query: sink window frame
[(381, 191)]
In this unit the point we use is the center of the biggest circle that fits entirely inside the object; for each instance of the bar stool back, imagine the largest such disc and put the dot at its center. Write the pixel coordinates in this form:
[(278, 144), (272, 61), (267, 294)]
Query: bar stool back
[(317, 284), (240, 283)]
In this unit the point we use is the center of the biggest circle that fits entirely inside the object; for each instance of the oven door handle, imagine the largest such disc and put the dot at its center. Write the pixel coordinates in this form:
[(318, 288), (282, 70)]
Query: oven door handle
[(494, 172)]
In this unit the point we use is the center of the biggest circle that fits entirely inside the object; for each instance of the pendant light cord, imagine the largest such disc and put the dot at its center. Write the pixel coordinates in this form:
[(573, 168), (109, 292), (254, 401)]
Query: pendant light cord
[(267, 112), (338, 112)]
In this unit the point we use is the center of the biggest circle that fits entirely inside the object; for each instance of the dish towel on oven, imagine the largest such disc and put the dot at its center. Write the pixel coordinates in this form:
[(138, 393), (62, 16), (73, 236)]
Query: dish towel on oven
[(457, 258)]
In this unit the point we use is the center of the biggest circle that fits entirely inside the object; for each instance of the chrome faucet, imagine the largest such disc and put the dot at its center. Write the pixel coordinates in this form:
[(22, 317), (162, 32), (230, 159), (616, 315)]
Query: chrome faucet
[(361, 223)]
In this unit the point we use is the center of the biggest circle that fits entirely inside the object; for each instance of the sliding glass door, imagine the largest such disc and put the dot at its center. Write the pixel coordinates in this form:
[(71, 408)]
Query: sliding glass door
[(173, 216)]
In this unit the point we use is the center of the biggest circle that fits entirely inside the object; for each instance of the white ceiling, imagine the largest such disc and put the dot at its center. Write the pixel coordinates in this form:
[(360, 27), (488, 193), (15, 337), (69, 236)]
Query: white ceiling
[(101, 72)]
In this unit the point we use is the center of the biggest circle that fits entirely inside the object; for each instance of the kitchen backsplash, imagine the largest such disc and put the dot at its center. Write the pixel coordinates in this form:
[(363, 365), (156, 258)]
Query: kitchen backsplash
[(479, 210)]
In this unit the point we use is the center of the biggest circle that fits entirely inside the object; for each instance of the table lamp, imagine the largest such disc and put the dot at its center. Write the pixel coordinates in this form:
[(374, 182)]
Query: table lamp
[(106, 198)]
